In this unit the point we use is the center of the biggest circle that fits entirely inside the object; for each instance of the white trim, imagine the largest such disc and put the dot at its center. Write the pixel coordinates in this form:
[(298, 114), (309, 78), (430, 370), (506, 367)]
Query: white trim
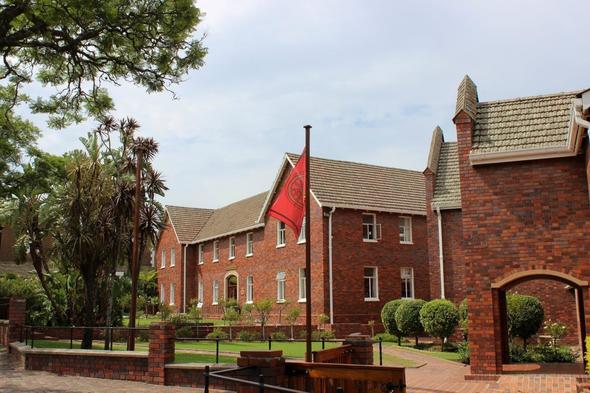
[(184, 279), (441, 258), (282, 230), (172, 299), (163, 259), (249, 239), (412, 286), (235, 232), (201, 253), (411, 241), (375, 237), (284, 287), (231, 273), (172, 257), (250, 289), (299, 287), (213, 293), (376, 278), (215, 251), (376, 209), (229, 248), (330, 273)]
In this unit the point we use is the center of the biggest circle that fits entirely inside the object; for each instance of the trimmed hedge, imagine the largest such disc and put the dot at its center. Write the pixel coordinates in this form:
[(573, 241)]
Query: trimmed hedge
[(407, 318), (439, 318), (525, 316), (388, 318)]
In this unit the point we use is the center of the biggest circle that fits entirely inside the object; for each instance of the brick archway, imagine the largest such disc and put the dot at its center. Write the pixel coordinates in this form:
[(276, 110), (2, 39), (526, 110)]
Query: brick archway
[(499, 288)]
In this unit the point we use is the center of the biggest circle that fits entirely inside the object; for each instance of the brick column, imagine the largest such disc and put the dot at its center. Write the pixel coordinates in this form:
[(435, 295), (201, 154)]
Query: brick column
[(362, 348), (161, 351), (16, 316)]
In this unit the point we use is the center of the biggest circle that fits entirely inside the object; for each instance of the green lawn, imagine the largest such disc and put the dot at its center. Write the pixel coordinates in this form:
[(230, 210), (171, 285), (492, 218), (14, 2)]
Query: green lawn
[(392, 360), (290, 349), (428, 349), (146, 321), (187, 357)]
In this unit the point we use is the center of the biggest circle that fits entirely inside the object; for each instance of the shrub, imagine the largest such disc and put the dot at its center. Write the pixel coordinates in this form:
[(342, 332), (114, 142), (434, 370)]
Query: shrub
[(463, 352), (587, 356), (179, 320), (463, 319), (263, 309), (407, 318), (388, 319), (248, 335), (556, 330), (385, 337), (439, 318), (322, 320), (218, 333), (278, 336), (525, 316), (165, 312), (545, 353), (184, 332), (143, 335), (292, 318), (322, 334)]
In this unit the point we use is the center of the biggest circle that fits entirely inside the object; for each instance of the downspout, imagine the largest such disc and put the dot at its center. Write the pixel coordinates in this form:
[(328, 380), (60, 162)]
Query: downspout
[(331, 287), (184, 284), (441, 259)]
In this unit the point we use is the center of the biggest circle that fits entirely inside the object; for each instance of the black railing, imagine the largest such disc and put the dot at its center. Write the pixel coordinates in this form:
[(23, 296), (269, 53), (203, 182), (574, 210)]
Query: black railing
[(106, 334), (262, 386)]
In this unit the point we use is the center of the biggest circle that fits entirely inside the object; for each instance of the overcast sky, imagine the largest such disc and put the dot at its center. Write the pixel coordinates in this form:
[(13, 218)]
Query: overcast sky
[(373, 78)]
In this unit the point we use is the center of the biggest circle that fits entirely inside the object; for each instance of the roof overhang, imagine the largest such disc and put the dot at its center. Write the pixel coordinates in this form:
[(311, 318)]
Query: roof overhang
[(376, 209), (241, 230), (445, 205), (570, 148)]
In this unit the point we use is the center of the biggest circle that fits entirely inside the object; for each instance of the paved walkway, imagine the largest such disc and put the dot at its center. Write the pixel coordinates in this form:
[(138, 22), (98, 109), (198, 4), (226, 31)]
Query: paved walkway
[(444, 376), (19, 380)]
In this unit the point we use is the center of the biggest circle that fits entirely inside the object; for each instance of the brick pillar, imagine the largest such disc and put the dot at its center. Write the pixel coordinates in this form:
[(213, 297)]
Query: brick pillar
[(362, 348), (16, 316), (161, 351), (269, 364)]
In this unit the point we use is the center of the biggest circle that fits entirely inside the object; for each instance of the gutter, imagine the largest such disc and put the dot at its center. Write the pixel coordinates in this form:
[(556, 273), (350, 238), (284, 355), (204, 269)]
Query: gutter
[(331, 286), (184, 284), (441, 259)]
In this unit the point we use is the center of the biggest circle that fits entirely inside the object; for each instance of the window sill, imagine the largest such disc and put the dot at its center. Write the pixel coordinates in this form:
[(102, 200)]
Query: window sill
[(407, 298), (371, 299), (214, 303), (231, 258), (281, 245), (172, 265), (200, 305), (249, 255), (370, 240), (301, 242), (201, 263), (281, 301), (302, 301), (162, 267), (250, 302), (406, 243), (171, 304), (216, 260)]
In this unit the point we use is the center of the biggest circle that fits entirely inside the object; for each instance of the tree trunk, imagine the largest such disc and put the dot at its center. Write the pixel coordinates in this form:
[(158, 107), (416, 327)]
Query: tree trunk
[(442, 344), (416, 341), (89, 314), (399, 341), (38, 263), (292, 332)]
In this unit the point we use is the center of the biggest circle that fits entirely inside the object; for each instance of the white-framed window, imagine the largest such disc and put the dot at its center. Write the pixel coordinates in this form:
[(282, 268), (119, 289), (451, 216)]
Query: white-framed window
[(153, 258), (407, 275), (216, 251), (371, 284), (301, 238), (249, 244), (200, 293), (163, 260), (249, 289), (172, 294), (281, 234), (162, 293), (371, 230), (281, 278), (232, 247), (215, 292), (302, 286), (405, 230), (201, 254), (172, 257)]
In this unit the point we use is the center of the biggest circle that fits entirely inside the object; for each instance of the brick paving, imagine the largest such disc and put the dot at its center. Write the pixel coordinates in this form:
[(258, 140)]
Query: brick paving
[(18, 380), (444, 376)]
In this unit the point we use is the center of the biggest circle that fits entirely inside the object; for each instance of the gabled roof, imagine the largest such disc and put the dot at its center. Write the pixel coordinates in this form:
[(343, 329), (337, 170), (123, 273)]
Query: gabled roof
[(353, 185), (236, 217), (187, 221), (447, 186), (523, 123)]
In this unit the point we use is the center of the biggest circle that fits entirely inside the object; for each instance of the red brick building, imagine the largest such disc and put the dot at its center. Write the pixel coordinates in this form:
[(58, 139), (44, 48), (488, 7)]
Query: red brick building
[(508, 210), (368, 238)]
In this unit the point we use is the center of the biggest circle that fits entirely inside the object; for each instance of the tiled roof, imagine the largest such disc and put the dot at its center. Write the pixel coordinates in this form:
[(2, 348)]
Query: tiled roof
[(233, 218), (522, 123), (467, 97), (188, 221), (363, 186), (447, 188)]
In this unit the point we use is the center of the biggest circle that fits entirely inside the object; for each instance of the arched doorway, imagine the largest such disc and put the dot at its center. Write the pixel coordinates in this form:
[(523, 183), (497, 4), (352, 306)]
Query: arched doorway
[(504, 285), (231, 287)]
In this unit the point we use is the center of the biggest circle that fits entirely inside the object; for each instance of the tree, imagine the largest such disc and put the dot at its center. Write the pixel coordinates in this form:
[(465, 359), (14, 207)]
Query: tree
[(322, 320), (292, 318), (439, 318), (76, 46), (231, 314), (525, 316), (407, 318), (388, 319), (263, 309)]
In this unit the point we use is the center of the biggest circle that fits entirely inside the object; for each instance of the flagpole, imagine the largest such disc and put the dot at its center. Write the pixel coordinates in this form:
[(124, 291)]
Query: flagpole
[(307, 250)]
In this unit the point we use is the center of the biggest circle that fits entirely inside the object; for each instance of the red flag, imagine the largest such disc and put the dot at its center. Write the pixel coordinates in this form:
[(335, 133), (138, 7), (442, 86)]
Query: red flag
[(289, 207)]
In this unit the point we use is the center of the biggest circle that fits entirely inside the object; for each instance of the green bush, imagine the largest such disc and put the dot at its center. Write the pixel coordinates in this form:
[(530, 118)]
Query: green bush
[(463, 351), (385, 337), (184, 332), (525, 316), (588, 356), (278, 336), (463, 318), (545, 353), (388, 318), (248, 335), (319, 334), (179, 320), (218, 333), (143, 335), (407, 318), (439, 318)]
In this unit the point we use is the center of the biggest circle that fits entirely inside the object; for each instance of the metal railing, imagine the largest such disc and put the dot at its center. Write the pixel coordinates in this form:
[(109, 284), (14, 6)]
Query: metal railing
[(262, 386), (107, 334)]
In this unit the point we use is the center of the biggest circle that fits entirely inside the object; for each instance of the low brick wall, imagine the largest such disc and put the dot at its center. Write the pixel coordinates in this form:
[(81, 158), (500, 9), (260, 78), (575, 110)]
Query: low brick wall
[(192, 375), (4, 332)]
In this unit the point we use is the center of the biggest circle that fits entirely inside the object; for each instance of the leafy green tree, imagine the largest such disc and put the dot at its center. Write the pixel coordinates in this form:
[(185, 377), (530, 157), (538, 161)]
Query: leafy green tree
[(292, 317), (407, 318), (77, 46), (439, 318), (525, 316), (388, 318), (263, 308)]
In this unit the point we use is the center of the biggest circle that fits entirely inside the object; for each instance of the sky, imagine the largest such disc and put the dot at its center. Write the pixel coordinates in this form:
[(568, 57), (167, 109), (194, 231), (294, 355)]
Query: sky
[(372, 77)]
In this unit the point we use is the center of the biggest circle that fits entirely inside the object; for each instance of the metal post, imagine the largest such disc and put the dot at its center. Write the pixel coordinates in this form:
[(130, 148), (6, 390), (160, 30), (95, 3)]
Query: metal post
[(269, 343), (71, 337), (206, 376), (380, 351), (308, 222), (21, 333), (26, 336), (32, 338), (111, 337), (217, 350), (339, 390), (323, 343), (261, 383)]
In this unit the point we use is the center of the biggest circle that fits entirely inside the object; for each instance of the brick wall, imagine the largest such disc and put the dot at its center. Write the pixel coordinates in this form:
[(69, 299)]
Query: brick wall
[(172, 274), (517, 217), (351, 254)]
